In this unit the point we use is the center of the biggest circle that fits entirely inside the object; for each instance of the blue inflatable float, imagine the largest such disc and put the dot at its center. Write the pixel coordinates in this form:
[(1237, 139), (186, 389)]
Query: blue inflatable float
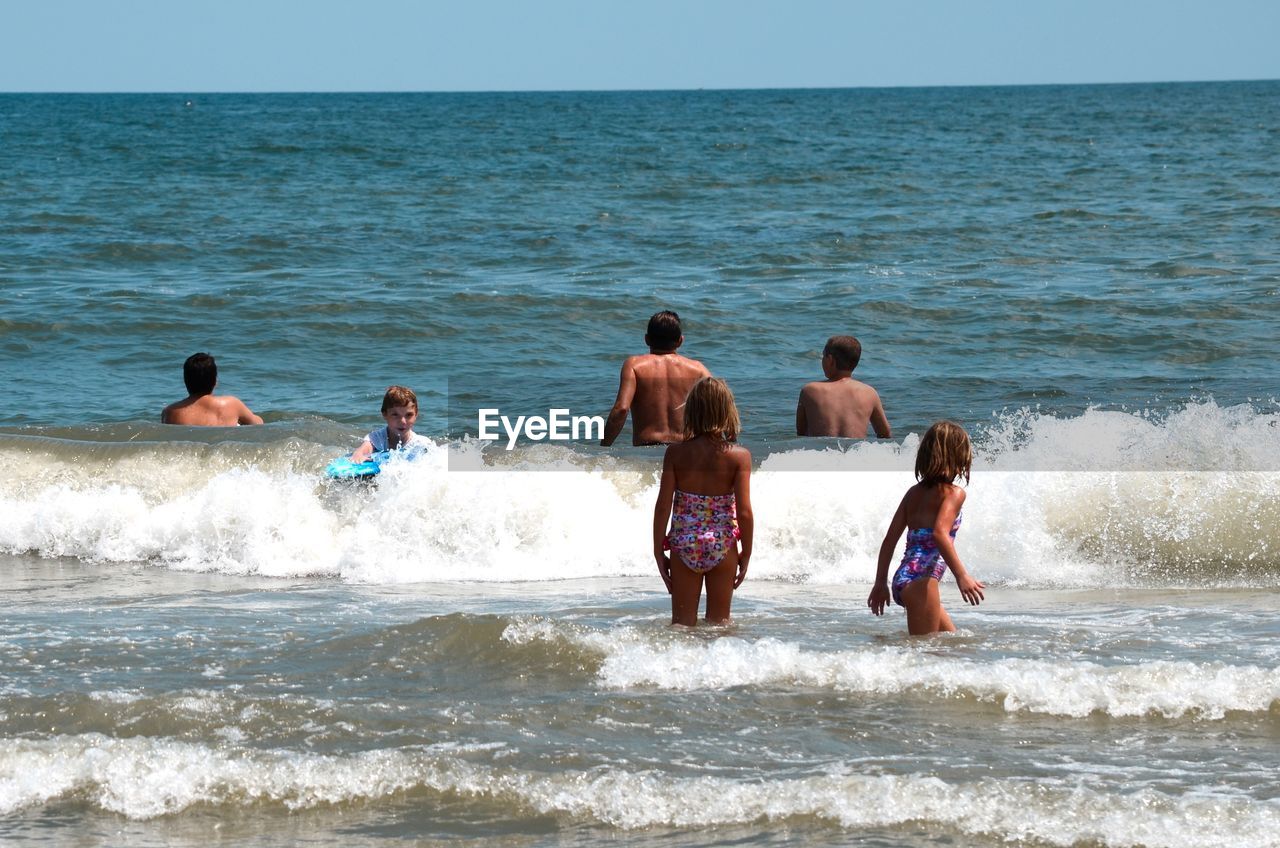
[(343, 468)]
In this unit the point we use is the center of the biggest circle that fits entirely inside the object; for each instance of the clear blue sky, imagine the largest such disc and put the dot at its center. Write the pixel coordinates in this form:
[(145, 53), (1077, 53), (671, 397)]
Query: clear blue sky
[(508, 45)]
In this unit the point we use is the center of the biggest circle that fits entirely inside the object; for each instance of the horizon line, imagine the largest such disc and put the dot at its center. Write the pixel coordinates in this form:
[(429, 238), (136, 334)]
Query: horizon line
[(639, 90)]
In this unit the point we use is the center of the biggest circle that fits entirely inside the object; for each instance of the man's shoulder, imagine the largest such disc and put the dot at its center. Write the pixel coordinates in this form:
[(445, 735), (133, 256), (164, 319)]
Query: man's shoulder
[(648, 361), (821, 391), (637, 361), (227, 410), (179, 412), (680, 364), (864, 388)]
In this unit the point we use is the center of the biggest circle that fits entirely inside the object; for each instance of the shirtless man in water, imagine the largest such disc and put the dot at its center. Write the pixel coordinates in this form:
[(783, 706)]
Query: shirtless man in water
[(840, 405), (202, 408), (653, 387)]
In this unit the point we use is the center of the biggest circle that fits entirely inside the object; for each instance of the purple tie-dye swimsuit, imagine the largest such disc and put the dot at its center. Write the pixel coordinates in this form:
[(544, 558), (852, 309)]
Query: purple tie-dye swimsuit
[(920, 559)]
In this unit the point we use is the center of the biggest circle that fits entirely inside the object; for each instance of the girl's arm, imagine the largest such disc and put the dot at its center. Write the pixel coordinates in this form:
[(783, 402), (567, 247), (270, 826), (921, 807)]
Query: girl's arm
[(952, 500), (879, 597), (662, 514), (746, 519)]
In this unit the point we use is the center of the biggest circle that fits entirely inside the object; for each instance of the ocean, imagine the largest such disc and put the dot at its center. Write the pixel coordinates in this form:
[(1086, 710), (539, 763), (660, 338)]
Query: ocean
[(205, 641)]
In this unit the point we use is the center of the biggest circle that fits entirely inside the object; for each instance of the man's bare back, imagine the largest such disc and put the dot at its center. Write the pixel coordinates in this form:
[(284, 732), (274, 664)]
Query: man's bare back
[(209, 411), (652, 387), (840, 407)]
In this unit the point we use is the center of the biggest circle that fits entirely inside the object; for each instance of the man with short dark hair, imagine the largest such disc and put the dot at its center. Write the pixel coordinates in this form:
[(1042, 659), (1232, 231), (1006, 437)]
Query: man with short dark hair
[(653, 386), (202, 408), (840, 405)]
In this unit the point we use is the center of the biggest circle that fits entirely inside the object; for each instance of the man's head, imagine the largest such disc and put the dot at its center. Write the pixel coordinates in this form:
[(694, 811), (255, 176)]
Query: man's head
[(845, 351), (200, 373), (664, 331)]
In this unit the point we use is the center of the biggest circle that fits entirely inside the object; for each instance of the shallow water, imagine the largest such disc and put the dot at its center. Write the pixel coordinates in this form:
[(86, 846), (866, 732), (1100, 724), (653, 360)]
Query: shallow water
[(153, 704)]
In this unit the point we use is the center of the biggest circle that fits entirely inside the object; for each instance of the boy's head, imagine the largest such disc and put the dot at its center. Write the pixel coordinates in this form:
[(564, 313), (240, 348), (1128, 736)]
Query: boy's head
[(400, 411), (664, 331), (200, 373), (845, 351), (399, 396)]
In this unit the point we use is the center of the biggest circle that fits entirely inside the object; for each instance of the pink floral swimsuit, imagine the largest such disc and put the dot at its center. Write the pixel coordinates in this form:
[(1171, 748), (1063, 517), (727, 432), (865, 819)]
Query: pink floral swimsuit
[(703, 527)]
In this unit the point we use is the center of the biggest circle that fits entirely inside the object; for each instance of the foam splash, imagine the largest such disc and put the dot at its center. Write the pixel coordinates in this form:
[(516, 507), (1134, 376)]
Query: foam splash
[(430, 521), (144, 778), (242, 521), (1100, 499), (421, 522), (1199, 437)]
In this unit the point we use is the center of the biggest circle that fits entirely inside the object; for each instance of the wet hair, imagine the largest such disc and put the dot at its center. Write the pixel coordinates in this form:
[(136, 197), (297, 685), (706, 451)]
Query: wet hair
[(664, 330), (845, 350), (709, 408), (200, 373), (944, 454), (399, 396)]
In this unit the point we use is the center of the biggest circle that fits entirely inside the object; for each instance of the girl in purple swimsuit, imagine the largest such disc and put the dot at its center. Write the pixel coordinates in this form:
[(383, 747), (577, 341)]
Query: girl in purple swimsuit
[(930, 513), (706, 494)]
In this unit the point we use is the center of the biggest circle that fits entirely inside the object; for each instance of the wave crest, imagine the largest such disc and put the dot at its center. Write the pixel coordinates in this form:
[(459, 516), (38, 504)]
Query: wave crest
[(1100, 499)]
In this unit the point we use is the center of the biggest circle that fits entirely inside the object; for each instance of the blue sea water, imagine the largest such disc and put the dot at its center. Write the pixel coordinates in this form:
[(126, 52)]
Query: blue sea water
[(991, 247), (202, 641)]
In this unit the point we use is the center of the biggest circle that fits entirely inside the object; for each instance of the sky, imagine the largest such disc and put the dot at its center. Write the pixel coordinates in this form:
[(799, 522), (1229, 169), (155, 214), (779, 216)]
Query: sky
[(190, 46)]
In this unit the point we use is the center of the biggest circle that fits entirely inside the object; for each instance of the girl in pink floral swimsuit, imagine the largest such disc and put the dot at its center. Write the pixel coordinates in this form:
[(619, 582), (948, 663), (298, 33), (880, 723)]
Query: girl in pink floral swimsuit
[(706, 494)]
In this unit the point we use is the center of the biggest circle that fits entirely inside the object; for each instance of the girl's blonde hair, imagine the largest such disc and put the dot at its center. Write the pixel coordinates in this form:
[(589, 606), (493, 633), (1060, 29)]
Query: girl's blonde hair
[(944, 454), (709, 408)]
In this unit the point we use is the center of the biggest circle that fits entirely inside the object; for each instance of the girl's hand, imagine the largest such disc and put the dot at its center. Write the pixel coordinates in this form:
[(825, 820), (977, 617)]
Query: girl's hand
[(742, 570), (878, 598), (970, 589), (664, 568)]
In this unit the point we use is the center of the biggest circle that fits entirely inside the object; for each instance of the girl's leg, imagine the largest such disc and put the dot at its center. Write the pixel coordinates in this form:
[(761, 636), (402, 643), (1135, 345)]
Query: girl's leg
[(686, 591), (720, 587), (944, 618), (925, 614)]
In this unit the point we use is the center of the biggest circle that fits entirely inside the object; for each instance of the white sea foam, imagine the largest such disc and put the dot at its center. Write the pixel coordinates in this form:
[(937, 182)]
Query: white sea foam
[(1101, 499), (242, 521), (1060, 686), (143, 778), (430, 521)]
